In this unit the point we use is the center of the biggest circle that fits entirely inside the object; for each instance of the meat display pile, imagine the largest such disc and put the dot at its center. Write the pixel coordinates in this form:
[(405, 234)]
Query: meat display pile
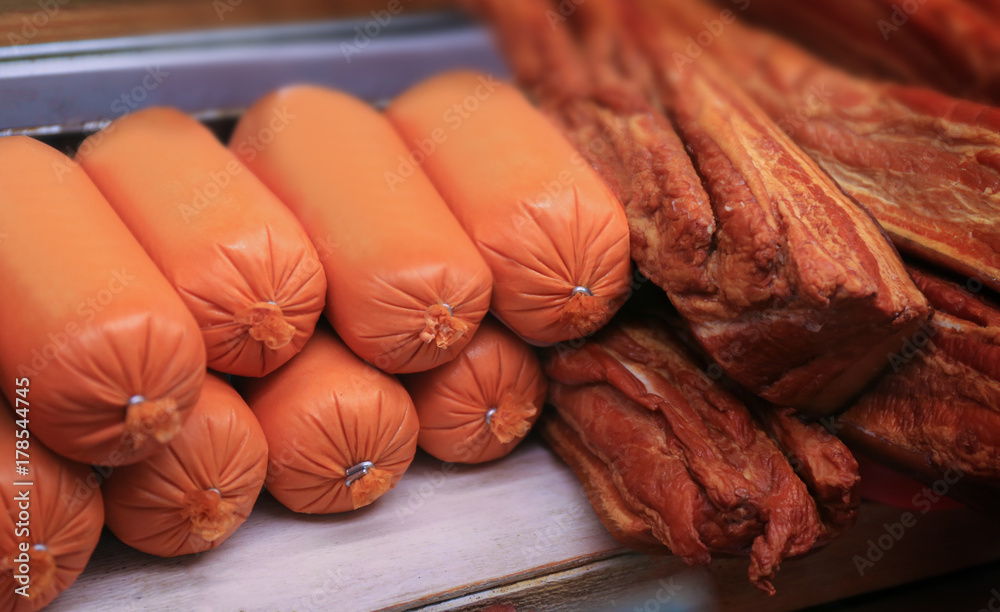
[(767, 193), (805, 229), (760, 251)]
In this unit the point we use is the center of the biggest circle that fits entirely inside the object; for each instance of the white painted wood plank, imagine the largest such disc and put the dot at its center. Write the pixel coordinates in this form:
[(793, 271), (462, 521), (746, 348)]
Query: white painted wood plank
[(938, 543), (439, 533)]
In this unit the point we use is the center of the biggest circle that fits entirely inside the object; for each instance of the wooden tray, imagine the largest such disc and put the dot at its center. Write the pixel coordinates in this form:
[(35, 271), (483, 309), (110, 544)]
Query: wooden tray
[(516, 531)]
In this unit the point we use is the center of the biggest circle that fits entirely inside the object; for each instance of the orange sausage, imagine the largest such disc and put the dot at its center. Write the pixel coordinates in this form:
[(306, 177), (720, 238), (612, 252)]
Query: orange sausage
[(194, 495), (114, 357), (480, 405), (237, 257), (553, 234), (59, 528), (406, 286), (340, 433)]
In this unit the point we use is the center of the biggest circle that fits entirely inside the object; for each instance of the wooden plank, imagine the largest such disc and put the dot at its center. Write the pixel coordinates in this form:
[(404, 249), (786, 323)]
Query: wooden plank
[(939, 543), (440, 533), (515, 531), (43, 21)]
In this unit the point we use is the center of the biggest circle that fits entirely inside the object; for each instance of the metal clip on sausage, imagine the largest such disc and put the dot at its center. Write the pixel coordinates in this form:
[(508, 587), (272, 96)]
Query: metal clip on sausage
[(357, 472)]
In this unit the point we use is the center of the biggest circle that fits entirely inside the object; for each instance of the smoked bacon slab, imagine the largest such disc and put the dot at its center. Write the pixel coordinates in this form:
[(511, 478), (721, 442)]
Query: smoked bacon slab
[(666, 453), (926, 165), (950, 45), (784, 280), (936, 416)]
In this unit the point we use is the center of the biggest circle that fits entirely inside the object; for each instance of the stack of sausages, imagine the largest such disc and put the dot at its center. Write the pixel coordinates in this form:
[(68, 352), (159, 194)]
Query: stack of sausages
[(168, 327)]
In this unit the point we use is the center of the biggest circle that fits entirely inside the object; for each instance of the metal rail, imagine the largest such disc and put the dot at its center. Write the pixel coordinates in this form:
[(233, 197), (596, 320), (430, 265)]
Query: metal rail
[(80, 86)]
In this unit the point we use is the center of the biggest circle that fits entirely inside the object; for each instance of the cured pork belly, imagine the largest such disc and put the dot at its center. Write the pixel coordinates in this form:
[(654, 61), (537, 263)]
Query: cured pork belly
[(788, 284), (666, 454)]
